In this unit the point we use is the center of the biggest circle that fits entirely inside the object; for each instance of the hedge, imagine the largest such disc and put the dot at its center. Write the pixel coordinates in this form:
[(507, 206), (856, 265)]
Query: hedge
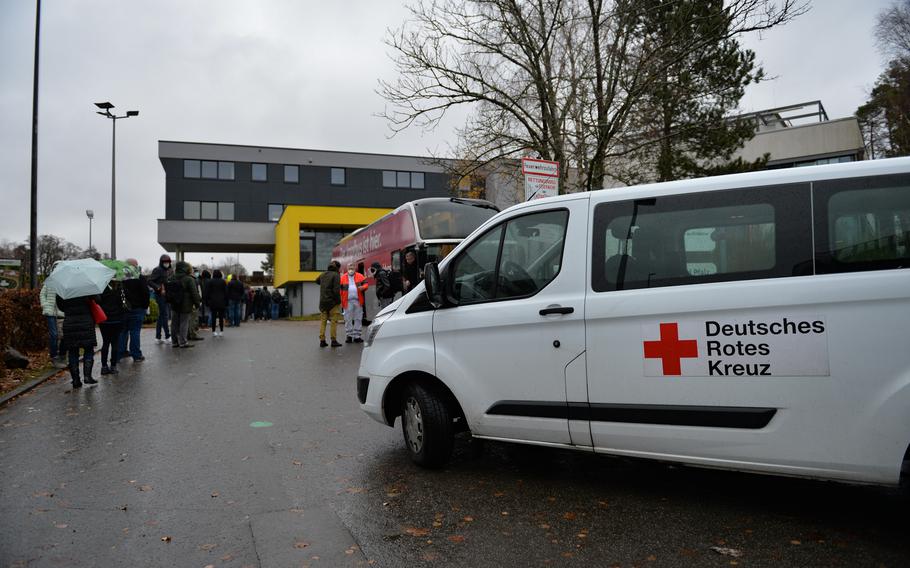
[(22, 326)]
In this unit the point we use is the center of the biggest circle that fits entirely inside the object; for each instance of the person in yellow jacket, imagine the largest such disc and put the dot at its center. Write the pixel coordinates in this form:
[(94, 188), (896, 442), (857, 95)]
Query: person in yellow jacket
[(353, 285)]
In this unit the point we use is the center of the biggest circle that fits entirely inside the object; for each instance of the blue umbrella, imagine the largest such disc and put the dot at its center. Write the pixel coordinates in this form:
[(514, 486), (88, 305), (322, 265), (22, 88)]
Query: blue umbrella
[(75, 278)]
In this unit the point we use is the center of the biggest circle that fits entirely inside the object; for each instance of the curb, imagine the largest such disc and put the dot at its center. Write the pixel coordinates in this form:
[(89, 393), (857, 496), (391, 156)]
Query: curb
[(22, 389)]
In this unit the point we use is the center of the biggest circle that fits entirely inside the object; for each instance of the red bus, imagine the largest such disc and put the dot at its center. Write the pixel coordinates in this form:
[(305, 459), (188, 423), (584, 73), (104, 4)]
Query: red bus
[(430, 227)]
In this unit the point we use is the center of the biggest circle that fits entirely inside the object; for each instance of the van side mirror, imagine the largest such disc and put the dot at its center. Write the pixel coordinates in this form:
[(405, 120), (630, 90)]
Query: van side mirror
[(433, 284)]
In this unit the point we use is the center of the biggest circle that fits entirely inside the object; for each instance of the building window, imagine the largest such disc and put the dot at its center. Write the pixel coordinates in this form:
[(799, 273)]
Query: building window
[(388, 179), (316, 248), (209, 209), (410, 180), (260, 172), (226, 170), (190, 209), (275, 211), (191, 168), (209, 170), (226, 210), (337, 176), (291, 174)]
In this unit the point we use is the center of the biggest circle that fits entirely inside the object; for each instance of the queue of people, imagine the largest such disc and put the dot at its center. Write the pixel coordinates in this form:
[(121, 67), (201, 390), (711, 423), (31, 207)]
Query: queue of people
[(186, 301)]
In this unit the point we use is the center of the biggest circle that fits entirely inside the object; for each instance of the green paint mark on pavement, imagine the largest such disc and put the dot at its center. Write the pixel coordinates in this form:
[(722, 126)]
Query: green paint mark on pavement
[(260, 424)]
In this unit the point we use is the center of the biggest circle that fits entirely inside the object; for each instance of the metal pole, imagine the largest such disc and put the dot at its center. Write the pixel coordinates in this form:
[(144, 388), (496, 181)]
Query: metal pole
[(89, 234), (33, 232), (114, 189)]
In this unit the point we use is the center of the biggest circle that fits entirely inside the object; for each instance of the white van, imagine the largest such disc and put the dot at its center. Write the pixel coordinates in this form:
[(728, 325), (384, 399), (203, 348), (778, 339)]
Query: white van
[(757, 322)]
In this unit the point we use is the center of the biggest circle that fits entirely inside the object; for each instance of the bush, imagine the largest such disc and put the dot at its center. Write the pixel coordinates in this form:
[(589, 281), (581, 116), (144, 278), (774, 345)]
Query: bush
[(22, 326), (152, 315)]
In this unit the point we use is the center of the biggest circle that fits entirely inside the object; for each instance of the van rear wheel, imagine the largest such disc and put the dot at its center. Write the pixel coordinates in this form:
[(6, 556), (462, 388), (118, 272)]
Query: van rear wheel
[(426, 423)]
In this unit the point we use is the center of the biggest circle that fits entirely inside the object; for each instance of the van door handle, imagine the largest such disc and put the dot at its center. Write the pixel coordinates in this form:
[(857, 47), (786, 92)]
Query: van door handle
[(557, 310)]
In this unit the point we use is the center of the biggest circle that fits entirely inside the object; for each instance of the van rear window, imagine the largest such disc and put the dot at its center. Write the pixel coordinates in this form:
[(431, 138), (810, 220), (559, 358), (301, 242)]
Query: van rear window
[(862, 224)]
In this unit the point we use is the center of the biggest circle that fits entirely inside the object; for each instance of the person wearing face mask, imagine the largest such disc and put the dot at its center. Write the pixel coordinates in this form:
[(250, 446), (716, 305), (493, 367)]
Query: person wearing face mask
[(353, 285), (157, 281)]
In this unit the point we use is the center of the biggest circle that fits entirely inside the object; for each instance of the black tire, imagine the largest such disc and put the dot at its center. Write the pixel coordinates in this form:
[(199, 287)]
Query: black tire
[(426, 423)]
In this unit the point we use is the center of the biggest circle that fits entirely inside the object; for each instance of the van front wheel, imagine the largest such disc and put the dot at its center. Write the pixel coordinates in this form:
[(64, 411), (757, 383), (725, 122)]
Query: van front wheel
[(427, 426)]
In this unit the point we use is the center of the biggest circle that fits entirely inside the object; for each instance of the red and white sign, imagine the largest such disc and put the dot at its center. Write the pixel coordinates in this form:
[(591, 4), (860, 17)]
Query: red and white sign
[(541, 178), (785, 346)]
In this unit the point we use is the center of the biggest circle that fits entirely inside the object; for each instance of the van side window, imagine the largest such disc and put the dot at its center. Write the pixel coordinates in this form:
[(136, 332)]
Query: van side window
[(703, 237), (513, 260), (862, 224)]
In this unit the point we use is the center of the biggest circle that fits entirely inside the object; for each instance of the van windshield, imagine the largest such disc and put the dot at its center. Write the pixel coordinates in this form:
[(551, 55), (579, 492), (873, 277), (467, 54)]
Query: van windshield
[(451, 219)]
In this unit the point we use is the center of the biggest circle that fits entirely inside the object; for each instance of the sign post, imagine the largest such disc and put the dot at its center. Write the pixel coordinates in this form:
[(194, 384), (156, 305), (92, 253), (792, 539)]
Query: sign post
[(10, 274), (541, 178)]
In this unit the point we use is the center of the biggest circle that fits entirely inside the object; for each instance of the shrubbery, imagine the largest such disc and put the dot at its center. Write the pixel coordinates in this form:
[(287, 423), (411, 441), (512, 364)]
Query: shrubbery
[(152, 315), (22, 326)]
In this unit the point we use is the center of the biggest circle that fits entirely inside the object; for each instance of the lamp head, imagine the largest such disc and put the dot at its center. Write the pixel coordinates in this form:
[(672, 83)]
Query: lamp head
[(104, 106), (132, 113), (89, 213)]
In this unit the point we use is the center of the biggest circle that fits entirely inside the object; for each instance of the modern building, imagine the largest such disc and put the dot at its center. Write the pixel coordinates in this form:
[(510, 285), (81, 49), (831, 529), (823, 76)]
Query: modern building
[(291, 202), (298, 203)]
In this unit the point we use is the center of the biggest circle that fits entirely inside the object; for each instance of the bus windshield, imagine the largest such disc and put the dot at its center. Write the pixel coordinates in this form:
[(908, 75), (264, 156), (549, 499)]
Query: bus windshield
[(451, 219)]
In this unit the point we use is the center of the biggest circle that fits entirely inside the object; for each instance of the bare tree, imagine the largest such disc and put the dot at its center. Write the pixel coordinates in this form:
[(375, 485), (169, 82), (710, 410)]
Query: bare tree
[(892, 29), (554, 78)]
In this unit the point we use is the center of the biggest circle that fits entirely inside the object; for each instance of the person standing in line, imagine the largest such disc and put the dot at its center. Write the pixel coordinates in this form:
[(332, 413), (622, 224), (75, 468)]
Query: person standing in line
[(353, 285), (113, 304), (329, 303), (157, 281), (215, 295), (205, 313), (385, 293), (276, 303), (193, 329), (410, 272), (136, 291), (184, 299), (79, 333), (235, 295), (248, 296), (54, 317)]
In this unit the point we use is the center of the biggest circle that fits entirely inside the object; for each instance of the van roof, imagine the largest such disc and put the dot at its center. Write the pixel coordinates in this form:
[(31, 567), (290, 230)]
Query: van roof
[(750, 179)]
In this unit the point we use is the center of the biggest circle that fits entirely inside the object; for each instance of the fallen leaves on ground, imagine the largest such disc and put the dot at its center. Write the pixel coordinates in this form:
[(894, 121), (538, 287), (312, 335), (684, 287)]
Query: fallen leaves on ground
[(725, 551), (456, 538), (300, 544), (415, 531), (207, 547), (165, 539), (145, 488), (570, 516)]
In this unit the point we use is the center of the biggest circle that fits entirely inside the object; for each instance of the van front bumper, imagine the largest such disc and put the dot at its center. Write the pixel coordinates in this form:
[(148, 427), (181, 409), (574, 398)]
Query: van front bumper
[(370, 393)]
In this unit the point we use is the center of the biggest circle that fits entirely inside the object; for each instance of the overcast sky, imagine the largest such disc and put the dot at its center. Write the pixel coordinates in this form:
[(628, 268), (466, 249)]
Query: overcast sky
[(291, 73)]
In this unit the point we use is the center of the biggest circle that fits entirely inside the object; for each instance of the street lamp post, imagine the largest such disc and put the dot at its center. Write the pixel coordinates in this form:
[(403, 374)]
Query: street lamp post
[(106, 107), (91, 215)]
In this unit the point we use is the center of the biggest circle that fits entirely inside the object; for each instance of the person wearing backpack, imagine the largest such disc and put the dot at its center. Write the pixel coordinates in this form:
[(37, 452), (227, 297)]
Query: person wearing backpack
[(385, 292), (183, 298)]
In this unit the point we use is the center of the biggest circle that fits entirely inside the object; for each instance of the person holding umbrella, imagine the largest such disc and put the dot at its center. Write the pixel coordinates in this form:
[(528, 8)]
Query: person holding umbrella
[(113, 302), (78, 284)]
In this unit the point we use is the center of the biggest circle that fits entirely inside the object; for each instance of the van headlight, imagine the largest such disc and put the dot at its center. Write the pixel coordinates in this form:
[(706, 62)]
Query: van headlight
[(373, 330)]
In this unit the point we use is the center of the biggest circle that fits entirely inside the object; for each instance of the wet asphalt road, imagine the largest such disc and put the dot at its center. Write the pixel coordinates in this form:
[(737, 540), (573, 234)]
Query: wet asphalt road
[(162, 466)]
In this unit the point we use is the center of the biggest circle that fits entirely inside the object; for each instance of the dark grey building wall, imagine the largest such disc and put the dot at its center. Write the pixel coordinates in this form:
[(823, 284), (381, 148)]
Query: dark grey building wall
[(363, 188)]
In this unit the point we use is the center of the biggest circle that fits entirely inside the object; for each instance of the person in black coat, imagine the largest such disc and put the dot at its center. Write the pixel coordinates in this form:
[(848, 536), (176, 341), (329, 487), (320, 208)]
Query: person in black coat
[(79, 333), (136, 291), (236, 296), (114, 305), (215, 297)]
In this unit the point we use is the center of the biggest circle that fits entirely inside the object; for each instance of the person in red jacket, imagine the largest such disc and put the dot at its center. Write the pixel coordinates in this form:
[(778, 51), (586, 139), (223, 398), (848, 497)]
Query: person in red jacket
[(353, 285)]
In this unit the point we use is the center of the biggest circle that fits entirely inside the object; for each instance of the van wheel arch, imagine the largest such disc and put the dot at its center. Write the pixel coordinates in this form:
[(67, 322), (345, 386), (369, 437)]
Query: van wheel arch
[(395, 392)]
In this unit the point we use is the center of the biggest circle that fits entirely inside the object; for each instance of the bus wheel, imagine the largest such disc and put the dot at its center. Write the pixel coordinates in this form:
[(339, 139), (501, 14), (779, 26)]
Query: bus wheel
[(427, 426)]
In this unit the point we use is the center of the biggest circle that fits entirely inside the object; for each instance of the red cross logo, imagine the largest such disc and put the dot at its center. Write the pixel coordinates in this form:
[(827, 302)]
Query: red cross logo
[(670, 349)]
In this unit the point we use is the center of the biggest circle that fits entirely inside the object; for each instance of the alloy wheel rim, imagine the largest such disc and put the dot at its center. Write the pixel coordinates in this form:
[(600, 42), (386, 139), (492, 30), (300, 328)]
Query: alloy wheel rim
[(414, 425)]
